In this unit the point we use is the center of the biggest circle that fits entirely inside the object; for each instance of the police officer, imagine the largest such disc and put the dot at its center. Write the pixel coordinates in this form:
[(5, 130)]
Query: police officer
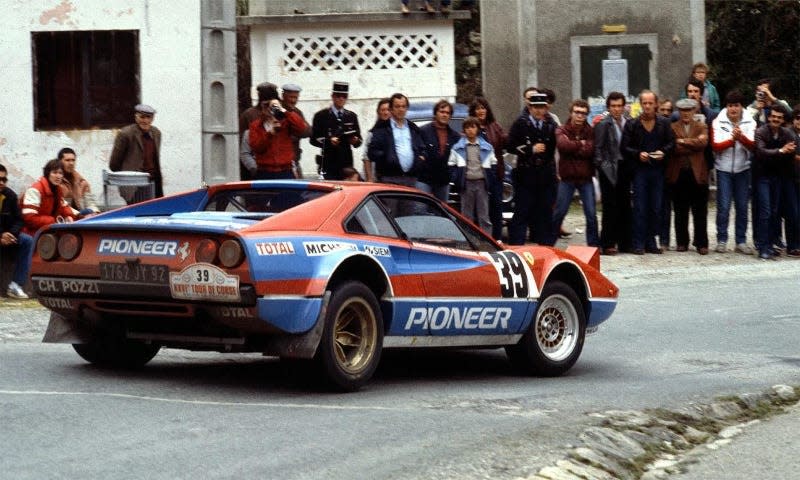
[(532, 137), (336, 131)]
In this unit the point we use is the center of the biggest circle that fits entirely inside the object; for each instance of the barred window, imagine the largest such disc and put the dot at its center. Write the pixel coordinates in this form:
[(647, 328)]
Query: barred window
[(85, 79)]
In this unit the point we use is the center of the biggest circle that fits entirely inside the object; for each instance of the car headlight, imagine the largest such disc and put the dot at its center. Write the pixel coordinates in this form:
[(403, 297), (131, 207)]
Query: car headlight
[(69, 246), (47, 246)]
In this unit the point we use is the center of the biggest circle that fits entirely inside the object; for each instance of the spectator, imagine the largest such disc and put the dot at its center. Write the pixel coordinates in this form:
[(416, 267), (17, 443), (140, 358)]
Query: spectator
[(492, 132), (43, 204), (269, 138), (687, 177), (444, 7), (350, 174), (396, 148), (76, 190), (532, 138), (439, 138), (247, 162), (382, 115), (647, 142), (732, 137), (289, 99), (614, 176), (14, 244), (792, 194), (764, 102), (472, 162), (774, 163), (575, 143), (137, 147), (710, 97), (335, 130), (665, 108)]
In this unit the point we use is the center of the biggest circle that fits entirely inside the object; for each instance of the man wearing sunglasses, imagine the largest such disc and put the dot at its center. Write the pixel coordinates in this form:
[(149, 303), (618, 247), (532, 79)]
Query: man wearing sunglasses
[(15, 246)]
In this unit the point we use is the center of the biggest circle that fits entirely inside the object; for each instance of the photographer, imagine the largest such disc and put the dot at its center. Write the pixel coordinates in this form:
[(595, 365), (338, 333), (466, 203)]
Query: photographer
[(269, 140), (336, 131)]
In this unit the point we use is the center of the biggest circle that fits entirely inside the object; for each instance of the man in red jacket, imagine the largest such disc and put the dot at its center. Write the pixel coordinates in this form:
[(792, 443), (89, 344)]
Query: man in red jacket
[(575, 144), (270, 139)]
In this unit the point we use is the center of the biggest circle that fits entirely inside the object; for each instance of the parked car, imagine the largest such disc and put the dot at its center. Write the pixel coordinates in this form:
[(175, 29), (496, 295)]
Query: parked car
[(421, 113), (330, 271)]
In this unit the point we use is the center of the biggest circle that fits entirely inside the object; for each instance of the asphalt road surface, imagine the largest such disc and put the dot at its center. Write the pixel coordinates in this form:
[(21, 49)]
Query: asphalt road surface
[(687, 329)]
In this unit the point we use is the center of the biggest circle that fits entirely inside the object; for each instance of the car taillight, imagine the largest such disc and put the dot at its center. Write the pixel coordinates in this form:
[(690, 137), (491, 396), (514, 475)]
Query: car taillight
[(69, 246), (47, 246), (230, 253), (206, 251)]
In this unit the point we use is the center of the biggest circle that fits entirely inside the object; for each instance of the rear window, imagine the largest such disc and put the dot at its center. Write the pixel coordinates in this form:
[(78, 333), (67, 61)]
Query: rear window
[(268, 201)]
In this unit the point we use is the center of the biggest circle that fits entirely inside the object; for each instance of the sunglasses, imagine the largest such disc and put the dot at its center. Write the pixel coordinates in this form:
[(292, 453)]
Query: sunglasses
[(3, 179)]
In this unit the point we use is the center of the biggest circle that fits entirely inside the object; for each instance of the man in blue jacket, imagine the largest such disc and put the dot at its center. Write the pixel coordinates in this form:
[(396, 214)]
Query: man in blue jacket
[(396, 148)]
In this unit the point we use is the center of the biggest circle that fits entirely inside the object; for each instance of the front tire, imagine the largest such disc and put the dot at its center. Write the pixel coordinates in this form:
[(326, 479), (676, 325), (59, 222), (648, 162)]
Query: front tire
[(554, 340), (116, 352), (352, 340)]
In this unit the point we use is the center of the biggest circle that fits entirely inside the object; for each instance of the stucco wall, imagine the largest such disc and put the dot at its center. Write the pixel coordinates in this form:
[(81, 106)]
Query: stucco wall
[(542, 30), (169, 36)]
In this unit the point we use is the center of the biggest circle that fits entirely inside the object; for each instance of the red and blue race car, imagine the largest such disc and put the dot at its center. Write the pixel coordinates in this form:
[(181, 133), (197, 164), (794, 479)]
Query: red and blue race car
[(330, 271)]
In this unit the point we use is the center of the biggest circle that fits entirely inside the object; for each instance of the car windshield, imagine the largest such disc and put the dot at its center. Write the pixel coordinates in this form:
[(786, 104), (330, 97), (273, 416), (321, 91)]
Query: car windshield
[(267, 202)]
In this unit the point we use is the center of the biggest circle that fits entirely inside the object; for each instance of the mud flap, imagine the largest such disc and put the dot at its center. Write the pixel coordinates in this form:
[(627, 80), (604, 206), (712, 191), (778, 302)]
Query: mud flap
[(63, 329), (304, 345)]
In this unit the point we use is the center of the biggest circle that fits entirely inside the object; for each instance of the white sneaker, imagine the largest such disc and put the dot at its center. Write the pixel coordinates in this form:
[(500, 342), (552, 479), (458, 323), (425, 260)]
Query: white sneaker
[(15, 291), (721, 247), (744, 249)]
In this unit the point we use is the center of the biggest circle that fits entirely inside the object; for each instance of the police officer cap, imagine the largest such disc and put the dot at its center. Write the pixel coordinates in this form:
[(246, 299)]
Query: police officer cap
[(686, 104), (291, 87), (146, 109), (537, 99)]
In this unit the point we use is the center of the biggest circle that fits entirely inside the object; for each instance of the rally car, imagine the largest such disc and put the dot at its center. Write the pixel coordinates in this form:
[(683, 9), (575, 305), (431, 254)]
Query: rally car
[(330, 271)]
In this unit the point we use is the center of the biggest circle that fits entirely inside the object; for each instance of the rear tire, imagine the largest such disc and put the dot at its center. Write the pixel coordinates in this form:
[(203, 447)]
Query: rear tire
[(554, 340), (116, 352), (352, 340)]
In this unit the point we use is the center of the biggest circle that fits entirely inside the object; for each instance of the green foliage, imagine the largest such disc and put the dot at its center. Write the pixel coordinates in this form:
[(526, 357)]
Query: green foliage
[(752, 39)]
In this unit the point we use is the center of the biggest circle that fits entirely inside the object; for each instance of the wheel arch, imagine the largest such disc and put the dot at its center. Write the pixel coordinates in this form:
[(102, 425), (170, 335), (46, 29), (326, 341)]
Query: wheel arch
[(364, 269), (571, 274)]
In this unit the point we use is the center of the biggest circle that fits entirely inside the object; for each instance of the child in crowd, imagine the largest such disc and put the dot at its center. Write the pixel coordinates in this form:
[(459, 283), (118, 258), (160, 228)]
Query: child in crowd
[(471, 164)]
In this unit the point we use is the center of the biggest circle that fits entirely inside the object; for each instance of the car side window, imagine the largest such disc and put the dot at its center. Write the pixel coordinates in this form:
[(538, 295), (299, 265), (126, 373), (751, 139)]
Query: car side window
[(423, 220), (371, 220)]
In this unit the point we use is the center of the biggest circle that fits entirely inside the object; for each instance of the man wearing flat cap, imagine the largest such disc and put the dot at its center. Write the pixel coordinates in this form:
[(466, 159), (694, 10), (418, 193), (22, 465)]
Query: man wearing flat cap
[(533, 139), (686, 176), (336, 131), (289, 99), (137, 147)]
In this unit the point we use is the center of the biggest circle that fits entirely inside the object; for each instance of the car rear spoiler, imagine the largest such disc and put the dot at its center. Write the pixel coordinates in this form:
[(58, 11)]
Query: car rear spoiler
[(587, 255)]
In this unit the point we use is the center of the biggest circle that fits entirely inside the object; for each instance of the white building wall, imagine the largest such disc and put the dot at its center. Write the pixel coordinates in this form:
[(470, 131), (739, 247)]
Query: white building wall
[(169, 50), (417, 73)]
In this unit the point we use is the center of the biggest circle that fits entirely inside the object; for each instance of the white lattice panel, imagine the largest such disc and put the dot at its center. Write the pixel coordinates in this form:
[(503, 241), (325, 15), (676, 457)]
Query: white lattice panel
[(362, 52)]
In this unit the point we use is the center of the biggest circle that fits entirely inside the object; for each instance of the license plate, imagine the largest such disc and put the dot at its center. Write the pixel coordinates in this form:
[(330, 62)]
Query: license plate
[(139, 273)]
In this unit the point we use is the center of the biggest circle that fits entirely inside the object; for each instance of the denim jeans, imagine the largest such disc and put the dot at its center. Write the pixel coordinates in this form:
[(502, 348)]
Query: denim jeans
[(734, 186), (439, 191), (586, 191), (648, 197), (790, 211), (23, 259), (768, 196)]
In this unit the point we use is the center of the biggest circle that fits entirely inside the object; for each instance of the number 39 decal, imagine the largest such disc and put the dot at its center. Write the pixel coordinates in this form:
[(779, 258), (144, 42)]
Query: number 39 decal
[(516, 279)]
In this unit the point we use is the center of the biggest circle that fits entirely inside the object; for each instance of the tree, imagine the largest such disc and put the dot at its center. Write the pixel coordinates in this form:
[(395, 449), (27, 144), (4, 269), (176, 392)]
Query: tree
[(753, 39)]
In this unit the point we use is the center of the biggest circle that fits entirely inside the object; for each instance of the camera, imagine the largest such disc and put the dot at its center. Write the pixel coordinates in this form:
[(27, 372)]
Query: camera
[(761, 95), (277, 112)]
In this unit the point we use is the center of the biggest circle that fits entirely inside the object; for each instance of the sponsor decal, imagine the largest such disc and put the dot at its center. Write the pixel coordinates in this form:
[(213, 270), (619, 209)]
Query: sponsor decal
[(459, 318), (274, 248), (315, 249), (183, 252), (138, 247), (378, 251), (67, 286), (235, 312), (203, 281), (56, 303)]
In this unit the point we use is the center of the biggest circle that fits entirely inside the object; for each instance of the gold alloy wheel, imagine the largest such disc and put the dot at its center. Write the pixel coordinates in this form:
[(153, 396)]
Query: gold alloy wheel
[(355, 335)]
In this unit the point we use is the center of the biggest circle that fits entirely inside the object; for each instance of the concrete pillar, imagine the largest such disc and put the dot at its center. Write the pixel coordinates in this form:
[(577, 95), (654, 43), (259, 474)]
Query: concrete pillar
[(220, 122)]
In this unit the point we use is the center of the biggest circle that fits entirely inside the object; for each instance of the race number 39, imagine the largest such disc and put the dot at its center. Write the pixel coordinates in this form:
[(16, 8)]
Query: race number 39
[(516, 280)]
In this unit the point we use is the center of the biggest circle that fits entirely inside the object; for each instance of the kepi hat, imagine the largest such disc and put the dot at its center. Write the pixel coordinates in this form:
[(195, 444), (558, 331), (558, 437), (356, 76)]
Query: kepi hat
[(341, 87), (537, 99)]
